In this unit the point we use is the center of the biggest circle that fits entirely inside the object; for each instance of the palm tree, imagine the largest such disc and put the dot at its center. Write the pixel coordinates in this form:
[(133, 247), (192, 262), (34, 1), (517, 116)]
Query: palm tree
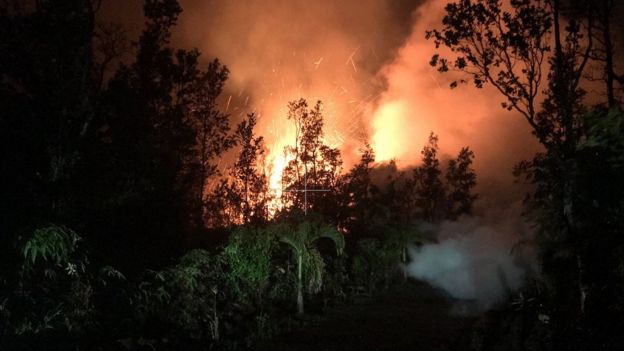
[(398, 241), (301, 241)]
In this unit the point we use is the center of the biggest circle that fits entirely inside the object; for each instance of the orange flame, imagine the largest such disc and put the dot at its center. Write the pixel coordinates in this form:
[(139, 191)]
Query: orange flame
[(388, 123), (277, 161)]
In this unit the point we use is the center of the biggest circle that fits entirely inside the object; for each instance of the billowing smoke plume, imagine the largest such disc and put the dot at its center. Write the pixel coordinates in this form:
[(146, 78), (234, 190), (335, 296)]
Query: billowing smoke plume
[(418, 100), (367, 60), (281, 50), (479, 258)]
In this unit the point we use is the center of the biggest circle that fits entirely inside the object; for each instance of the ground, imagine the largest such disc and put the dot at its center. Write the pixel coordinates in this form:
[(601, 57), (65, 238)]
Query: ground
[(417, 317)]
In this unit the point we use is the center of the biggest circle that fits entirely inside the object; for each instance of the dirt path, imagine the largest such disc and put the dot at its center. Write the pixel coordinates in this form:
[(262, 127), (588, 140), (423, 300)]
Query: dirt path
[(416, 318)]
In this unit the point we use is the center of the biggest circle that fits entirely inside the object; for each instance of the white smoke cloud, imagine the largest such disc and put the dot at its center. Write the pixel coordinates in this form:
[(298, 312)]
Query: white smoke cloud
[(477, 258)]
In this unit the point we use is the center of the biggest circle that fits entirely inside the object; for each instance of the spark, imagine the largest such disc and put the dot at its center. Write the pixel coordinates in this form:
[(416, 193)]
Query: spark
[(228, 104), (435, 80), (350, 59), (317, 63)]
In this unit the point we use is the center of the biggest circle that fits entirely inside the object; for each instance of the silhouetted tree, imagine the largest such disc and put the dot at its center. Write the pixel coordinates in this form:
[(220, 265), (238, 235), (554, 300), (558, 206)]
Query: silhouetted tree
[(313, 164), (242, 197), (392, 201), (248, 170), (428, 187), (211, 132), (512, 50), (490, 43), (110, 44), (460, 181), (144, 184), (600, 19), (355, 202)]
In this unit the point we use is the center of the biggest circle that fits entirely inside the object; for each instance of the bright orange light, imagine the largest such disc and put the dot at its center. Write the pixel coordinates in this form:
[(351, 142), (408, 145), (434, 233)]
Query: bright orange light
[(281, 134), (389, 124), (277, 162)]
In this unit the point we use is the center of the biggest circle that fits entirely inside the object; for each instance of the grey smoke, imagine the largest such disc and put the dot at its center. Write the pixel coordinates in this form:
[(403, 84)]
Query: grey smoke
[(480, 258)]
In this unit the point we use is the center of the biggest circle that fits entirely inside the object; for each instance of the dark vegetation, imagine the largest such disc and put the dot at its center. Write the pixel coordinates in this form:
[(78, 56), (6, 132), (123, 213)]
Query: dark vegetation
[(413, 316), (552, 48), (112, 225), (112, 230)]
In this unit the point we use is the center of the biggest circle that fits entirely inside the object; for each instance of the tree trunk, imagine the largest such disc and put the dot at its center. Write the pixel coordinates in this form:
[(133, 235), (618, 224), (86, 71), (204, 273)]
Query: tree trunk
[(299, 284), (608, 47), (215, 321), (404, 261), (583, 289)]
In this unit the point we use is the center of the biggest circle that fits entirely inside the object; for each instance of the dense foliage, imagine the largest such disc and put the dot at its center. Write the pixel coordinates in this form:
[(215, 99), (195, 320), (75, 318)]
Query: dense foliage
[(110, 185), (110, 177), (537, 55)]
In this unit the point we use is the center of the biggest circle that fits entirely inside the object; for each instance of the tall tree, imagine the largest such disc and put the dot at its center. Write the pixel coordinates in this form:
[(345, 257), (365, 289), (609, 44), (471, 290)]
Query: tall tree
[(163, 133), (600, 18), (211, 132), (356, 201), (605, 12), (313, 164), (248, 170), (506, 49), (243, 196), (428, 187), (460, 180), (512, 50), (110, 45), (149, 139)]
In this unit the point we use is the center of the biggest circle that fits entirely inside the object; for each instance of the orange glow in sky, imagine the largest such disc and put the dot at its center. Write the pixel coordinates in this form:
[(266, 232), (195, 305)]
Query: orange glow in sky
[(368, 61)]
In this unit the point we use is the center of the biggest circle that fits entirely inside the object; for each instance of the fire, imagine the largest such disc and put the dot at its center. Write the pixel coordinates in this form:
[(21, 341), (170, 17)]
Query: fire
[(277, 161), (388, 128), (280, 135), (368, 61)]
